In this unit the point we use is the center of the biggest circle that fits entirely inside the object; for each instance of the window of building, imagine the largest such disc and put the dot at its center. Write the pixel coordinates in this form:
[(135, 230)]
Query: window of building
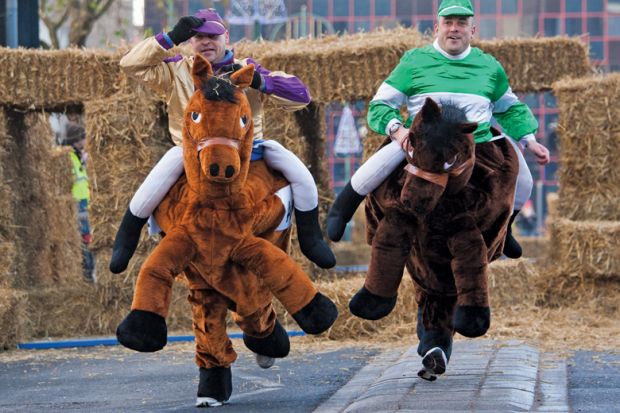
[(595, 26), (573, 26), (424, 7), (488, 28), (614, 55), (362, 7), (404, 8), (551, 26), (341, 27), (425, 26), (341, 8), (595, 5), (383, 7), (597, 50), (361, 26), (488, 6), (551, 6), (319, 7), (613, 25), (613, 6), (573, 6), (510, 6)]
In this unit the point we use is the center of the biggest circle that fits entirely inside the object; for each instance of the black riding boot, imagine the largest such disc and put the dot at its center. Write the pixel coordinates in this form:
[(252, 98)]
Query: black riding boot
[(311, 240), (342, 211), (126, 241), (512, 249)]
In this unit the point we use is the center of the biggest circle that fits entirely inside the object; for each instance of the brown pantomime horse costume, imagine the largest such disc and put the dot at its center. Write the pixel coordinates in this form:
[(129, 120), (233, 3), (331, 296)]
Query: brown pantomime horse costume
[(444, 216), (211, 219)]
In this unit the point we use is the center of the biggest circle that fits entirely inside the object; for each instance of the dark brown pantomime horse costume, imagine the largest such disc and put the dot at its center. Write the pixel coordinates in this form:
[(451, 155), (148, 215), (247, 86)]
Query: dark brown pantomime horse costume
[(444, 216), (220, 222)]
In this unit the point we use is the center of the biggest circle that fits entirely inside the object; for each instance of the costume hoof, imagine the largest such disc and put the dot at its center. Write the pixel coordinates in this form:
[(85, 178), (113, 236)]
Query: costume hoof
[(512, 248), (120, 260), (369, 306), (434, 362), (472, 321), (143, 331), (317, 251), (335, 225), (317, 316), (275, 345), (214, 387)]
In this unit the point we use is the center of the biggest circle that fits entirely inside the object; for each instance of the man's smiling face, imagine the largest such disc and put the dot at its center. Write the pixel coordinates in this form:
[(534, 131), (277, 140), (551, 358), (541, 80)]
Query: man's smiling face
[(454, 33)]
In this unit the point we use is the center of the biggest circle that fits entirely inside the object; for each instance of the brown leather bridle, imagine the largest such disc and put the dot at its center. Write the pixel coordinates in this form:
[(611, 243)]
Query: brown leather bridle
[(217, 141), (437, 178)]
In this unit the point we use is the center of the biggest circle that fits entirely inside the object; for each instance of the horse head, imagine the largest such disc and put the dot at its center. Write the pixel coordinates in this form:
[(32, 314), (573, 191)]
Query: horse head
[(218, 130), (440, 156)]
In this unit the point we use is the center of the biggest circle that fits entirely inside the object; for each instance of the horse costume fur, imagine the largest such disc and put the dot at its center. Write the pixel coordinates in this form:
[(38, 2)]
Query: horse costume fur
[(444, 216), (220, 223)]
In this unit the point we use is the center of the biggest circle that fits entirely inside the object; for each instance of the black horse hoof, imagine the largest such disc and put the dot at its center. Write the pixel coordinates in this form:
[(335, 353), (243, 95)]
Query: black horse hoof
[(369, 306), (215, 387), (472, 321), (317, 316), (143, 331), (275, 345)]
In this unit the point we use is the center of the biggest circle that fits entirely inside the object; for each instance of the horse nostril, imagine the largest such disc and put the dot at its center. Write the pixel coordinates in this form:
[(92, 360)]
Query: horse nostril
[(230, 171), (214, 169)]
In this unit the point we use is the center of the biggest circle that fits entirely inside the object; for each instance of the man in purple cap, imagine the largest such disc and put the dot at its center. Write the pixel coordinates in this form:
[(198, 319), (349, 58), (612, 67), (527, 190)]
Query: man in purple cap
[(150, 63)]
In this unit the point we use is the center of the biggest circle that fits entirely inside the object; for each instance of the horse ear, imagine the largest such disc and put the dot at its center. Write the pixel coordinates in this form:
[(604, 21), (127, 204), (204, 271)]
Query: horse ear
[(430, 111), (201, 70), (468, 127), (243, 77)]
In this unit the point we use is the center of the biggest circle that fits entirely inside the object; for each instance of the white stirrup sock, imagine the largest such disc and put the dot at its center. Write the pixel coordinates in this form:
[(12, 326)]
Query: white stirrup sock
[(525, 182), (305, 194), (377, 168), (157, 183)]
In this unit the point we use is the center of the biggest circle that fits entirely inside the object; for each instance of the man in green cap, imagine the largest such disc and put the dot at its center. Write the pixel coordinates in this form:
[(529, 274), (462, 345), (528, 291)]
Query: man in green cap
[(448, 70)]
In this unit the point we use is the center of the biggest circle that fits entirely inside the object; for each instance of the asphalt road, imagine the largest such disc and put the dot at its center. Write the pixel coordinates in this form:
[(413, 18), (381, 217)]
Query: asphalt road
[(113, 379), (594, 382)]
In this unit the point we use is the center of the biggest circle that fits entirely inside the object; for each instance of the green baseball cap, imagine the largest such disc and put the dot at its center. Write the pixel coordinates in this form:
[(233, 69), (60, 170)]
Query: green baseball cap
[(455, 8)]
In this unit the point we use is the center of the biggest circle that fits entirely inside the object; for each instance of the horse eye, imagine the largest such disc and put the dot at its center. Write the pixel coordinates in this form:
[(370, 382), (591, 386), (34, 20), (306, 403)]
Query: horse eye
[(448, 165), (196, 116), (243, 120)]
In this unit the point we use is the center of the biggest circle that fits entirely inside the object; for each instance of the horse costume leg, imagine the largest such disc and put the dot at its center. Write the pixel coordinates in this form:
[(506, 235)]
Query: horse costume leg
[(214, 350), (469, 266), (144, 328), (314, 312), (264, 335), (391, 246)]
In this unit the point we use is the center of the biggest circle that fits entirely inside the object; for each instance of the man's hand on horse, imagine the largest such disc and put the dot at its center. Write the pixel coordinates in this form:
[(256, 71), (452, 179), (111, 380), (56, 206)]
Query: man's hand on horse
[(183, 30), (540, 152), (257, 80)]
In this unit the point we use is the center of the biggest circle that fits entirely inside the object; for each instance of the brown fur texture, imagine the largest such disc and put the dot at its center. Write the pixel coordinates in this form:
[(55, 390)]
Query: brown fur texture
[(445, 236), (219, 222)]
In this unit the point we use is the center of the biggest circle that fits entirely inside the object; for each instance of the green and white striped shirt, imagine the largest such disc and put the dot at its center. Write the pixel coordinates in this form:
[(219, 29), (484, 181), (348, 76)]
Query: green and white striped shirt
[(473, 80)]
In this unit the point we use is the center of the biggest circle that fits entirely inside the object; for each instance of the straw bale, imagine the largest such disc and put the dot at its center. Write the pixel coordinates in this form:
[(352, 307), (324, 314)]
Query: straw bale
[(126, 135), (586, 249), (352, 66), (527, 61), (534, 247), (12, 315), (6, 196), (83, 309), (7, 257), (42, 223), (589, 134), (34, 78)]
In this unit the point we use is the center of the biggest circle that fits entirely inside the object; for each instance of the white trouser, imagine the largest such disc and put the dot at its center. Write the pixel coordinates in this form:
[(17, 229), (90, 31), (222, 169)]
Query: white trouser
[(381, 164), (170, 167)]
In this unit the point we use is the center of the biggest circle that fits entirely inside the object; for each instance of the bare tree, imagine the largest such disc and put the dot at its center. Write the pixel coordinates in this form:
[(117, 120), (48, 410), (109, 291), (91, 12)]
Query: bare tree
[(81, 15)]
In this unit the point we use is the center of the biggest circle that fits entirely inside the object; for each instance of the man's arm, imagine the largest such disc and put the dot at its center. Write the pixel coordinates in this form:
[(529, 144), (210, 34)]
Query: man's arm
[(384, 109), (288, 91), (516, 118), (145, 62)]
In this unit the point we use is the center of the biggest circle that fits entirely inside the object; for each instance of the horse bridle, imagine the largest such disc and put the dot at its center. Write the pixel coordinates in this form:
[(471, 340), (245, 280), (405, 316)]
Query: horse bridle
[(217, 141), (437, 178)]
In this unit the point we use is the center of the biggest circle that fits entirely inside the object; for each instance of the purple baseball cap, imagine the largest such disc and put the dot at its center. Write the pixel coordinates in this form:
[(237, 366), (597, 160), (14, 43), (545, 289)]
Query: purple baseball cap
[(213, 22)]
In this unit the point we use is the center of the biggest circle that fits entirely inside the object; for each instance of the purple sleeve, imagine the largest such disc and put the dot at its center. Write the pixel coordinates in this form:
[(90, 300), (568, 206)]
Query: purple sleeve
[(164, 41), (287, 87)]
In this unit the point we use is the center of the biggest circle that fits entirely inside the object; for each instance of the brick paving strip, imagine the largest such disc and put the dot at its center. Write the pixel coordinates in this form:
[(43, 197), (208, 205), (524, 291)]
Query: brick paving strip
[(482, 376)]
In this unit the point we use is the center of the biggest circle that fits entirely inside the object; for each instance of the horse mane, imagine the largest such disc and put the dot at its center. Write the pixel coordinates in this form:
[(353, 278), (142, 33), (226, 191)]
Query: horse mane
[(219, 90), (439, 136)]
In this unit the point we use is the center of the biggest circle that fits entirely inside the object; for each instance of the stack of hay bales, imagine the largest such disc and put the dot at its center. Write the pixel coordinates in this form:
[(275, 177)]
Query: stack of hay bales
[(585, 233)]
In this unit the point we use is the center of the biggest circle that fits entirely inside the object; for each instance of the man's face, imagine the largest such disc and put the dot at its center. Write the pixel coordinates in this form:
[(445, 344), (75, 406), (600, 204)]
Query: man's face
[(211, 46), (454, 33)]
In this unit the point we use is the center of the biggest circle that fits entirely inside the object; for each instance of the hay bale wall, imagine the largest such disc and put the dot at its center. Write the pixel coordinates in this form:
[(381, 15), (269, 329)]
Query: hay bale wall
[(42, 220), (13, 318), (589, 134)]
